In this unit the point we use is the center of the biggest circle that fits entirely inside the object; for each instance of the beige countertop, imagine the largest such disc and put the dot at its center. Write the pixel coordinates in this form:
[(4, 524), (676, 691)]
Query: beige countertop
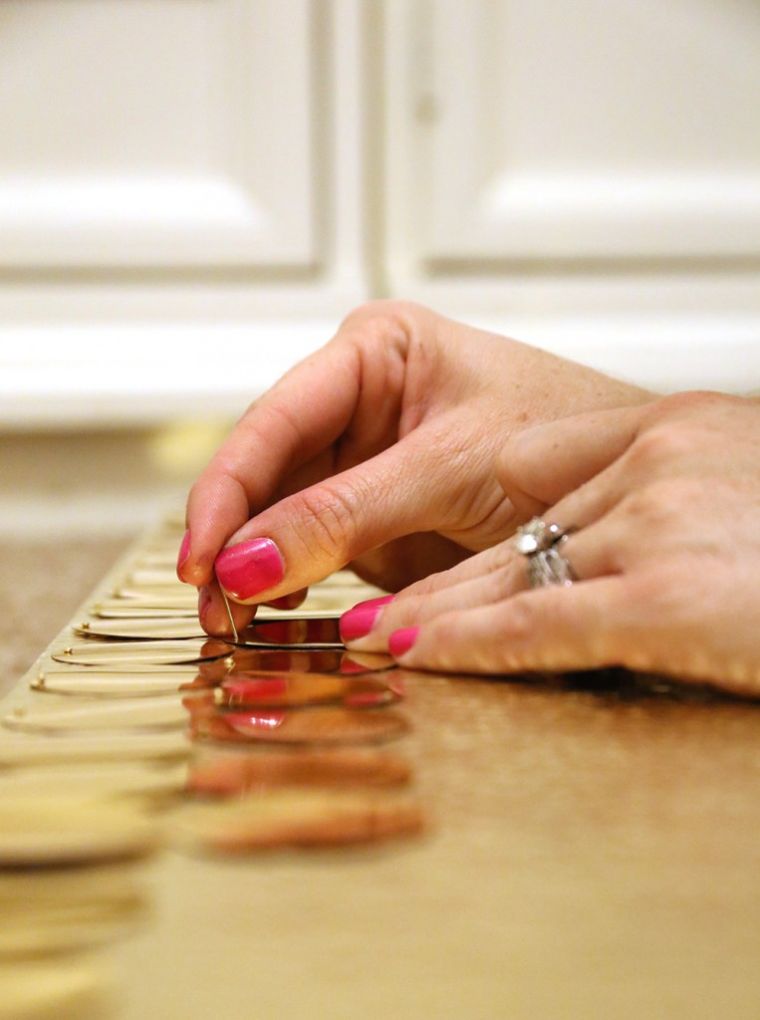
[(587, 859), (587, 856), (41, 584)]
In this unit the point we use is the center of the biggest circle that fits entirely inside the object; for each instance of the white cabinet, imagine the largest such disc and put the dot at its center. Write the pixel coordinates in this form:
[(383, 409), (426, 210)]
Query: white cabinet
[(587, 173), (181, 200), (158, 133), (194, 192), (582, 130)]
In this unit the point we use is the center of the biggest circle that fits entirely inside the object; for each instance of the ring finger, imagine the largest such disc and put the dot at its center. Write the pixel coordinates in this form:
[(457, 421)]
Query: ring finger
[(587, 552)]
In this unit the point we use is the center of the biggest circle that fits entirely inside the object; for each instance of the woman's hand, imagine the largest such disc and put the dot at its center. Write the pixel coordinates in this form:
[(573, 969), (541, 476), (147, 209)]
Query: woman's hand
[(375, 451), (667, 555)]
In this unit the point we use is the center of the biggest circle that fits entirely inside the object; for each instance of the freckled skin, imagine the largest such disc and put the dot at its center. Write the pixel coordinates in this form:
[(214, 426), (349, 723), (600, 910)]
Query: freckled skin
[(666, 555), (378, 451)]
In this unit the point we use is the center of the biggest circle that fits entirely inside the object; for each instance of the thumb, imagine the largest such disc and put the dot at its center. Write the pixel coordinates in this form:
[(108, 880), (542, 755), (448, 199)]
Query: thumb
[(320, 529), (544, 463)]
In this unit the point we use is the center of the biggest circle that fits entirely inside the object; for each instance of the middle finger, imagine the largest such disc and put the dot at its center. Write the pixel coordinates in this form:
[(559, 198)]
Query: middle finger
[(504, 572)]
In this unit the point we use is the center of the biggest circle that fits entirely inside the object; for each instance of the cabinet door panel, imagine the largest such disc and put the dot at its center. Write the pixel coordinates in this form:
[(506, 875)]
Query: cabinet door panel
[(157, 133), (592, 129)]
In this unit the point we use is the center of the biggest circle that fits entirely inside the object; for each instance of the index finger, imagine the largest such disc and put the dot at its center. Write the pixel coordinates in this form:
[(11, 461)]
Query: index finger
[(306, 411)]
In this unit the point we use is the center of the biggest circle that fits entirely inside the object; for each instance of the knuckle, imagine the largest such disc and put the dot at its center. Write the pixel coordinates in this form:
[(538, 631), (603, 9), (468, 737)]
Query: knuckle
[(508, 462), (646, 506), (659, 445), (640, 587), (663, 503), (274, 414), (326, 520), (691, 400), (518, 621), (504, 560), (692, 405), (657, 586), (211, 484), (515, 470), (379, 321)]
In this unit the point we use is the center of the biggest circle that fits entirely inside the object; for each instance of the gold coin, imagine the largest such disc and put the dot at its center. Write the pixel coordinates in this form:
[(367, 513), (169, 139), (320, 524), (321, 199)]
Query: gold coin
[(163, 629), (98, 683), (132, 653), (158, 713), (173, 598)]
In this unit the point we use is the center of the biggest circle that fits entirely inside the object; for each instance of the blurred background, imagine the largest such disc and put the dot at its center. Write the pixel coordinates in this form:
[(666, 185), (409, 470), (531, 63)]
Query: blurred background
[(193, 193)]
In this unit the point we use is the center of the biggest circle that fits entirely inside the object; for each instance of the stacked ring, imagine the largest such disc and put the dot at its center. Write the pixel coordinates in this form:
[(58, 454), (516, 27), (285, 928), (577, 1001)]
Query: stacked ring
[(540, 543)]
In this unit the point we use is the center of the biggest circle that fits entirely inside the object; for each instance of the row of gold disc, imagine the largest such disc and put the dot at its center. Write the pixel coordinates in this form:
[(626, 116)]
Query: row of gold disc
[(136, 731)]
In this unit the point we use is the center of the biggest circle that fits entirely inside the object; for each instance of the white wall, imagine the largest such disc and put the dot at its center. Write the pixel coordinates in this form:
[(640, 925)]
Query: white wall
[(194, 192)]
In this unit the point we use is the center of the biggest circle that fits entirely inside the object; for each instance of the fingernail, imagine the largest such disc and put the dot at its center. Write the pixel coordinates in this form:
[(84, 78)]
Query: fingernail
[(236, 691), (253, 722), (248, 568), (360, 619), (184, 553), (402, 640)]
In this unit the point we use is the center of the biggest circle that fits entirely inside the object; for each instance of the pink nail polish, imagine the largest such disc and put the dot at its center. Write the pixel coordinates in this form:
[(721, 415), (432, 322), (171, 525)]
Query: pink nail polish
[(184, 553), (252, 691), (402, 640), (246, 569), (360, 619), (253, 722)]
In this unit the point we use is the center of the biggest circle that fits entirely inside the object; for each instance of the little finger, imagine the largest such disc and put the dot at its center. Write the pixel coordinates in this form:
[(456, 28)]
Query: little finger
[(554, 628)]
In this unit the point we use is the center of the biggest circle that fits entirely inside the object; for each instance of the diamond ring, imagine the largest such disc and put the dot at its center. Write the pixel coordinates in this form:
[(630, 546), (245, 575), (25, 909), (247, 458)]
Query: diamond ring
[(549, 566), (540, 542), (537, 536)]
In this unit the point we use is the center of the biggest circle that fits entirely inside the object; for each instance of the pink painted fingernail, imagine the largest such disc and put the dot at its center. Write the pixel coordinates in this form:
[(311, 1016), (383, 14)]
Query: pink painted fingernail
[(253, 722), (245, 691), (248, 568), (360, 619), (184, 553), (402, 640)]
